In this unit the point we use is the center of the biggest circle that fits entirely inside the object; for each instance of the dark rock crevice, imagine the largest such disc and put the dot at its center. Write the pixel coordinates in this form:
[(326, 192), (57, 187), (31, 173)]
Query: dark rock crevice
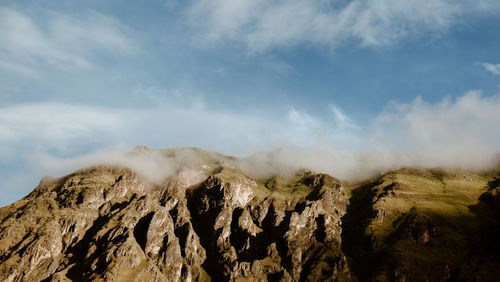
[(78, 259), (203, 211), (141, 230), (356, 246)]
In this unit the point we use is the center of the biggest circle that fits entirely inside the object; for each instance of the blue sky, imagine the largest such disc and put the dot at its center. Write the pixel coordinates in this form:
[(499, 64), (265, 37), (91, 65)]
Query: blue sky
[(243, 76)]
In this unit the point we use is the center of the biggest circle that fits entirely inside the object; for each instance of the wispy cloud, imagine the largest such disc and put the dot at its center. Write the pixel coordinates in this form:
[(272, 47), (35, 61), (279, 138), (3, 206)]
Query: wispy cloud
[(53, 127), (63, 42), (341, 119), (493, 68), (263, 25), (56, 127)]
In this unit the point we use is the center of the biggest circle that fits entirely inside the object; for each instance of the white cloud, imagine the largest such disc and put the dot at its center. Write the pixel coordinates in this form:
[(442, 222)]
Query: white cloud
[(342, 121), (152, 165), (54, 138), (457, 132), (65, 42), (460, 134), (303, 122), (53, 126), (453, 133), (58, 127), (493, 68), (263, 25)]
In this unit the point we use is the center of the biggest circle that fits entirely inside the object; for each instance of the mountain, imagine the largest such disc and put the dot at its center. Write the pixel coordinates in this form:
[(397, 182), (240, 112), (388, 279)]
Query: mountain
[(207, 220), (424, 225)]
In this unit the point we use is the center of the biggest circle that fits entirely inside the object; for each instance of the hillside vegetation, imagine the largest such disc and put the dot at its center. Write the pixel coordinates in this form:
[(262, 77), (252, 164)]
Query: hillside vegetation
[(419, 225)]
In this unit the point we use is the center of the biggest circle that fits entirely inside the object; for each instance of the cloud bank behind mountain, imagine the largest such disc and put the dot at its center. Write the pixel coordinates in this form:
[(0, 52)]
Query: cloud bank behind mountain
[(59, 138)]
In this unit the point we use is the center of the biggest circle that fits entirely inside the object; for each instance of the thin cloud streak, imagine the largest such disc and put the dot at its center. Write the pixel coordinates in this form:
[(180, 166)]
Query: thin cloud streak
[(264, 25), (65, 44)]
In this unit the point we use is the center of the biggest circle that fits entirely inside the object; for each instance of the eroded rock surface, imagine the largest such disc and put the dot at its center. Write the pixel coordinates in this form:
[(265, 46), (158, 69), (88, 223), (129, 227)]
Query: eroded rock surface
[(99, 224), (258, 236), (109, 224)]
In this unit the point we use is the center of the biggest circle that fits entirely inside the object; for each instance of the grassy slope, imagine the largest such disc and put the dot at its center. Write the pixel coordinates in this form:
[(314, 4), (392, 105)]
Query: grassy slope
[(293, 187), (434, 198)]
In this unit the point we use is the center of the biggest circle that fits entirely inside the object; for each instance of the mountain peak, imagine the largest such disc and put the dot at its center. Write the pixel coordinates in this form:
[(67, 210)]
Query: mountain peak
[(209, 219)]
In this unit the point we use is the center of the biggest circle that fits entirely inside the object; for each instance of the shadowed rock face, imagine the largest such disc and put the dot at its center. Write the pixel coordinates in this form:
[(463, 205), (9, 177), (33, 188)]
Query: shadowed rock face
[(108, 223), (290, 238), (424, 225)]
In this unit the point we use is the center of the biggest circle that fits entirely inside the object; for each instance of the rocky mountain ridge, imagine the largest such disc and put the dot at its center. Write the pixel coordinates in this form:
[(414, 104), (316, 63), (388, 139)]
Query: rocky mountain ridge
[(210, 221)]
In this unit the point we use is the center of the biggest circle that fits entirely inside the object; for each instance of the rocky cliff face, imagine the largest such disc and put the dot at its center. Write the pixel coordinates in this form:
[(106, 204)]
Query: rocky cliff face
[(210, 221), (259, 233), (99, 223), (108, 223)]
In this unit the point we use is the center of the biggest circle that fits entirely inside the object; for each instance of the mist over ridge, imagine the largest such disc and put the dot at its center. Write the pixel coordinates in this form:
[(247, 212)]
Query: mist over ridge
[(421, 134)]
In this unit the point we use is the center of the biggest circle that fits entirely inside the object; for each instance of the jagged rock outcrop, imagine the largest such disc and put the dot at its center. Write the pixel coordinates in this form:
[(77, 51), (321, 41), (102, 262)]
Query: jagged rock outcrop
[(258, 236), (99, 224), (110, 224)]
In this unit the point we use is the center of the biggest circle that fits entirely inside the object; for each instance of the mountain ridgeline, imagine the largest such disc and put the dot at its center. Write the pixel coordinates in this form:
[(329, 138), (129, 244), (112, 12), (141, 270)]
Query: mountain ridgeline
[(209, 221)]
